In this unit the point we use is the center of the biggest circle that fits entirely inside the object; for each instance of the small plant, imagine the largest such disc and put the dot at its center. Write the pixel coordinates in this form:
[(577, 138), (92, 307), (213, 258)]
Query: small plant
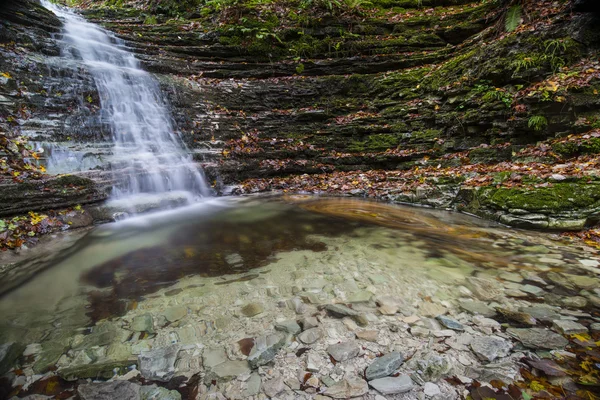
[(150, 20), (299, 68), (513, 18), (537, 122), (498, 95)]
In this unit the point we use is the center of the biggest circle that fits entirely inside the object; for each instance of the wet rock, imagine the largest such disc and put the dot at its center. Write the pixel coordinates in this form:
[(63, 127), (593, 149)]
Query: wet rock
[(142, 323), (252, 309), (392, 385), (370, 336), (532, 289), (567, 327), (520, 318), (159, 364), (173, 314), (227, 371), (348, 388), (154, 392), (428, 309), (574, 302), (541, 312), (584, 281), (488, 348), (450, 323), (212, 356), (290, 326), (430, 389), (48, 357), (484, 289), (121, 390), (363, 296), (95, 370), (384, 366), (343, 351), (477, 307), (538, 338), (9, 353), (310, 336), (265, 349)]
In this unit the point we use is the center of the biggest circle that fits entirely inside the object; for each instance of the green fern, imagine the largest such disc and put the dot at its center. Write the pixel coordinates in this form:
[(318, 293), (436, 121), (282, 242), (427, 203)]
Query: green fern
[(513, 18), (538, 122)]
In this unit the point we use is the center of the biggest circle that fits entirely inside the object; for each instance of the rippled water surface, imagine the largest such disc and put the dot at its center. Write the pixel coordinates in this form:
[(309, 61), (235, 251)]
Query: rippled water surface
[(196, 270)]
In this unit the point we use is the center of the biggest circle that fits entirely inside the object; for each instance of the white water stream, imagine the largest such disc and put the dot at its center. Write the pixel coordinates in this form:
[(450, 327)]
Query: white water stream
[(148, 155)]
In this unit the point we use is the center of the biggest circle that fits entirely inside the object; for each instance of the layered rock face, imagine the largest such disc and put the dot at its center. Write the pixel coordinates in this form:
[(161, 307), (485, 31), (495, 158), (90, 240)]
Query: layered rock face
[(428, 102)]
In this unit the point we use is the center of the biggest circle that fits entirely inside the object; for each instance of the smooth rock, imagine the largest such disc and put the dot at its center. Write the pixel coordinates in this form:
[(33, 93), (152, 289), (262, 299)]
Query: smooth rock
[(392, 385), (574, 302), (488, 348), (159, 364), (430, 389), (339, 310), (175, 313), (569, 327), (420, 331), (253, 385), (542, 312), (532, 289), (348, 388), (143, 323), (310, 336), (450, 323), (121, 390), (309, 323), (384, 366), (370, 336), (343, 351), (252, 309), (538, 338), (364, 296)]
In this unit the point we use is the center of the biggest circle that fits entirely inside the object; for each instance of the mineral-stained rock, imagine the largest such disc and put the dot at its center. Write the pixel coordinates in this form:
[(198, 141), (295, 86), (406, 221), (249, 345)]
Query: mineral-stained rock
[(265, 349), (538, 338), (392, 385), (159, 364), (121, 390), (384, 366), (520, 318), (488, 348)]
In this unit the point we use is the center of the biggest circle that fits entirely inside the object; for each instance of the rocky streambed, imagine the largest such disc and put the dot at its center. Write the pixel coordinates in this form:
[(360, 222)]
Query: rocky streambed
[(306, 298)]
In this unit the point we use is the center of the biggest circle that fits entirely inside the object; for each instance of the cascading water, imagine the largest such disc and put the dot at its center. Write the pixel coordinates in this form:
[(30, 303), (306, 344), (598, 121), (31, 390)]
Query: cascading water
[(148, 155)]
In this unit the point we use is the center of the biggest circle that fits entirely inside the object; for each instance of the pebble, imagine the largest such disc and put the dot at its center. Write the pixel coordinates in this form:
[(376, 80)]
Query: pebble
[(343, 351), (569, 327), (392, 385), (384, 366)]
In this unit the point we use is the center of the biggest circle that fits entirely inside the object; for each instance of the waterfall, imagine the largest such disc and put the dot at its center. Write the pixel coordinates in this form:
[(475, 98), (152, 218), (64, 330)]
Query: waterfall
[(148, 155)]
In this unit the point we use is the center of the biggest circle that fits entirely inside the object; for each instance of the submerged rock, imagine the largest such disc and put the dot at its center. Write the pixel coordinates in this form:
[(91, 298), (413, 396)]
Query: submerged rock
[(155, 392), (252, 309), (265, 349), (384, 366), (9, 353), (227, 371), (121, 390), (289, 327), (159, 364)]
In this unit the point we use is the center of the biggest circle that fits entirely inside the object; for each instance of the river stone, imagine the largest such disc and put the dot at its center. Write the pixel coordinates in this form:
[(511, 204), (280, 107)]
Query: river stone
[(339, 310), (142, 323), (121, 390), (538, 338), (309, 323), (252, 386), (348, 388), (48, 357), (541, 312), (574, 302), (265, 349), (430, 389), (450, 323), (175, 313), (428, 309), (370, 336), (159, 364), (484, 289), (9, 353), (384, 366), (392, 385), (364, 296), (595, 327), (584, 281), (213, 356), (155, 392), (477, 307), (227, 371), (532, 289), (432, 366), (310, 336), (104, 369), (488, 348), (518, 317), (290, 326), (252, 309), (343, 351), (568, 327)]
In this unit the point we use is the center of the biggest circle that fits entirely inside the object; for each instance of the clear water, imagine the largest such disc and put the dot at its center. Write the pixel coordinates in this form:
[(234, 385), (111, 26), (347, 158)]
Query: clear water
[(148, 155)]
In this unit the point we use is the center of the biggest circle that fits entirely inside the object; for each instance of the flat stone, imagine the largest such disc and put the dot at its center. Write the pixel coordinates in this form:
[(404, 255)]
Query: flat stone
[(444, 333), (388, 309), (532, 289), (9, 353), (175, 313), (265, 349), (428, 309), (370, 336), (450, 323), (343, 351), (574, 302), (227, 371), (488, 348), (595, 327), (420, 331), (310, 336), (363, 296), (430, 389), (159, 364), (309, 323), (121, 390), (290, 326), (477, 307), (273, 387), (142, 323), (384, 366), (541, 312), (97, 370), (252, 309), (392, 385), (431, 366), (484, 289), (154, 392), (348, 388), (567, 327), (538, 338), (253, 385), (212, 356), (339, 310), (516, 316)]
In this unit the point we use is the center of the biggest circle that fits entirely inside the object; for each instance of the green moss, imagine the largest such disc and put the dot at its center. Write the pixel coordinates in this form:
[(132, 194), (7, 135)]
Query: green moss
[(572, 149), (555, 198), (375, 142)]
